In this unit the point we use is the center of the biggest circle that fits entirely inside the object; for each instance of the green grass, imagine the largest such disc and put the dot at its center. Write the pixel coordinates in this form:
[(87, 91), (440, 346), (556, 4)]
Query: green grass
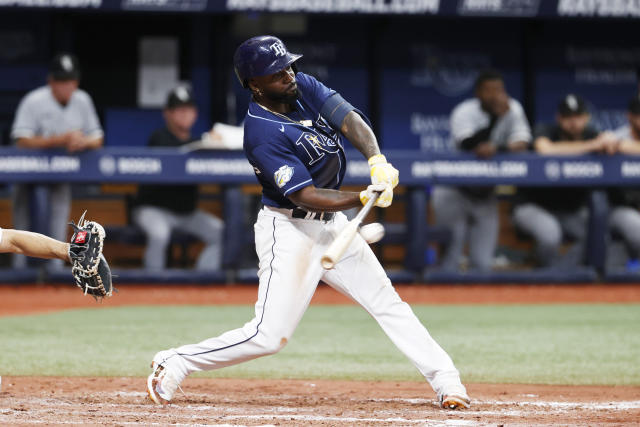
[(552, 344)]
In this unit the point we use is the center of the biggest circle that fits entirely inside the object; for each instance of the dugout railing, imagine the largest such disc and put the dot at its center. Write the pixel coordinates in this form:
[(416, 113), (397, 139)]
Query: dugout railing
[(418, 172)]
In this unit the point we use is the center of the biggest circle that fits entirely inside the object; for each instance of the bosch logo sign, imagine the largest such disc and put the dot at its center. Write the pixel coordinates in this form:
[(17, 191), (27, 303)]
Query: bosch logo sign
[(107, 165)]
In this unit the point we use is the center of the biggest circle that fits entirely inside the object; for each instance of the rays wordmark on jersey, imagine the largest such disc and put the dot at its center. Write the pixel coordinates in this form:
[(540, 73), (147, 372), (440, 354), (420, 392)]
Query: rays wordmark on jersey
[(317, 145)]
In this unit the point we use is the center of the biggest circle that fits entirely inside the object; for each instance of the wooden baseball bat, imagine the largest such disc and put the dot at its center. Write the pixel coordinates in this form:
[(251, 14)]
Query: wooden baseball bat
[(342, 241)]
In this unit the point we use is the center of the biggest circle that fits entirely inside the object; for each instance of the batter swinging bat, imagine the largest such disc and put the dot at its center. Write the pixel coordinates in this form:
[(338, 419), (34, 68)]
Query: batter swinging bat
[(342, 241)]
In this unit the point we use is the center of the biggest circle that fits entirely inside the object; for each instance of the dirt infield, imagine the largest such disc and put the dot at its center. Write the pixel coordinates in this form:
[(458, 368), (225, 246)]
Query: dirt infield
[(234, 402), (37, 299), (122, 401)]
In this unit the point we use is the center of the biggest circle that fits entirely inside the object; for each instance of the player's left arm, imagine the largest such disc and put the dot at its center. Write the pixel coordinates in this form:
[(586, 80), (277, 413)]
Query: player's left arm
[(33, 244), (344, 117), (382, 173), (360, 134)]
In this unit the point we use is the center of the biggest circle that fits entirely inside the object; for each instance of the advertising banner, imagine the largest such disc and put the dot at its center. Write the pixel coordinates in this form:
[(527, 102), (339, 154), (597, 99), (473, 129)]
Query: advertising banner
[(423, 81), (601, 71)]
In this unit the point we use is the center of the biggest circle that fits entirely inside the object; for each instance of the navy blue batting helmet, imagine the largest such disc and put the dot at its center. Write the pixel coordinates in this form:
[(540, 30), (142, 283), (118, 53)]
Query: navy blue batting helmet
[(261, 56)]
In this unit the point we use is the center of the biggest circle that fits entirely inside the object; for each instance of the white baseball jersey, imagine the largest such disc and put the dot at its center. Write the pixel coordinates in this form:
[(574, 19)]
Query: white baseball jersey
[(623, 132), (469, 117), (289, 152), (40, 114)]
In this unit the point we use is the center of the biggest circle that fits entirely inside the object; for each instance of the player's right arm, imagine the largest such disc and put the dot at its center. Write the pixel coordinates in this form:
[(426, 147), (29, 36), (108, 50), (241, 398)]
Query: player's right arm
[(278, 164), (466, 132), (315, 199), (545, 146), (33, 244), (54, 141)]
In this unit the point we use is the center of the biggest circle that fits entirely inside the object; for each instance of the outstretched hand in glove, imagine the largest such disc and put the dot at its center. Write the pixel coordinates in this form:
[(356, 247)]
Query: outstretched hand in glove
[(90, 269)]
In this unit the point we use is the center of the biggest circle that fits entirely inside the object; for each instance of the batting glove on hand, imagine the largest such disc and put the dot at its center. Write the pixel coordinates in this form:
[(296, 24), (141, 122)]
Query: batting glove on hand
[(385, 199), (383, 172)]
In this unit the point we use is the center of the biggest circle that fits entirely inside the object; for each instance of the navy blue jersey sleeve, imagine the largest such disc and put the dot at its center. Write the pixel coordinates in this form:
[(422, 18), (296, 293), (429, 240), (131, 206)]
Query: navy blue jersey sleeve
[(281, 167), (315, 92)]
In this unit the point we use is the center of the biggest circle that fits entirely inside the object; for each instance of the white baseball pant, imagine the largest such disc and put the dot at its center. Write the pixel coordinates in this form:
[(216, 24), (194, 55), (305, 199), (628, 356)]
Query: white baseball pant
[(289, 251)]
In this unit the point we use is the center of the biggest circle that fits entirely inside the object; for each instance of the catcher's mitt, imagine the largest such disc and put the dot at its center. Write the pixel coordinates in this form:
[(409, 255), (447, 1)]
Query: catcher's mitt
[(90, 269)]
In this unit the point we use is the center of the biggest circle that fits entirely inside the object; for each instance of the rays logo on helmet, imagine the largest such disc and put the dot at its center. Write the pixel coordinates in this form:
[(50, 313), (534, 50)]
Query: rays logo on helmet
[(278, 48), (283, 175)]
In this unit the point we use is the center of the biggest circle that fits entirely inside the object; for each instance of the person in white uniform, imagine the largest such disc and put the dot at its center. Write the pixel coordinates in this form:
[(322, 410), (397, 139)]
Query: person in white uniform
[(490, 122), (624, 215), (57, 115), (294, 136)]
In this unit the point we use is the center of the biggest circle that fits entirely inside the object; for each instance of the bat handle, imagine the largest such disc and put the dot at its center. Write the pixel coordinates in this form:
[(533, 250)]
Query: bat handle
[(340, 243), (367, 207)]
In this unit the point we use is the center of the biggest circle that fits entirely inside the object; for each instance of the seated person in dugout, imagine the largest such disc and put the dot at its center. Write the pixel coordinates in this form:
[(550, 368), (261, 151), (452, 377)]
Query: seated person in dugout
[(624, 214), (489, 122), (159, 209), (548, 214)]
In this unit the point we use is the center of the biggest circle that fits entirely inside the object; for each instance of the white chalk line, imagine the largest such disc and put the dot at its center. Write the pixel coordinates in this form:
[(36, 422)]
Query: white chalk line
[(134, 423), (287, 413), (258, 417), (594, 406)]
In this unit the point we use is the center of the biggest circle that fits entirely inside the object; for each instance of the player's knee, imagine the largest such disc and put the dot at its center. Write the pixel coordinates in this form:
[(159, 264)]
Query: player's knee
[(159, 236), (273, 344), (213, 234), (550, 240)]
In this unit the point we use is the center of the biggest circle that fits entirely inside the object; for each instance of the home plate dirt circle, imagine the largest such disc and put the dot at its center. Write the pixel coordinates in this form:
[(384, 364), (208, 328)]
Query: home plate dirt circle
[(233, 402)]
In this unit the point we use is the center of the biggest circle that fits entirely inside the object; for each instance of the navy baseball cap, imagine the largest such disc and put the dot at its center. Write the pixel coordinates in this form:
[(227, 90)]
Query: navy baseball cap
[(64, 66), (572, 105), (634, 105), (179, 97)]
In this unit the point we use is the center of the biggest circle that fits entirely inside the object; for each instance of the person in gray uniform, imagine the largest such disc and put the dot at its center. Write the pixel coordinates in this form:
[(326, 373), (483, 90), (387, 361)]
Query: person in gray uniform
[(490, 122), (550, 214), (162, 208), (624, 215), (57, 115)]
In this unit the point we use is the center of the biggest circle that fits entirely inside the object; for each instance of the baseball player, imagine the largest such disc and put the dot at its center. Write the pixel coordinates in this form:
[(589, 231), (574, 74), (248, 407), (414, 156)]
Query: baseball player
[(624, 202), (57, 115), (159, 209), (490, 122), (33, 244), (549, 215), (90, 268), (38, 245), (294, 136)]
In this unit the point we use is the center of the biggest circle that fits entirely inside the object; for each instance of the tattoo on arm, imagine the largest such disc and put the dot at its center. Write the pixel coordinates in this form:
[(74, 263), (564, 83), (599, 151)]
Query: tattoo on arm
[(360, 134)]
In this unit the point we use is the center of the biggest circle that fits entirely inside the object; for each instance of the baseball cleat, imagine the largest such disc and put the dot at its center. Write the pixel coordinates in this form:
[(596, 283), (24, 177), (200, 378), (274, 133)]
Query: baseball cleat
[(453, 402), (161, 384)]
